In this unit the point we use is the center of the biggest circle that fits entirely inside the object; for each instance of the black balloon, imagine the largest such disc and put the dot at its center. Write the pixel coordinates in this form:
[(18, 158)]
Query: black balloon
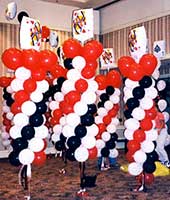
[(132, 103), (60, 81), (128, 113), (36, 120), (73, 142), (41, 107), (14, 158), (105, 152), (92, 109), (70, 155), (62, 138), (9, 101), (80, 131), (19, 144), (149, 167), (110, 90), (145, 82), (110, 144), (100, 104), (27, 132), (152, 157), (59, 145), (114, 136), (21, 15), (87, 120), (104, 97), (138, 92), (68, 63)]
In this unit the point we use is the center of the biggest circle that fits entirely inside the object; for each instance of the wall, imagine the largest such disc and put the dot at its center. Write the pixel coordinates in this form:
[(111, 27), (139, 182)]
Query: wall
[(129, 12), (52, 15)]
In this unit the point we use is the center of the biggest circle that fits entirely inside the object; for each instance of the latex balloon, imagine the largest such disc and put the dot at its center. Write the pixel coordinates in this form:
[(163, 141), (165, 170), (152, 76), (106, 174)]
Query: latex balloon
[(39, 158), (26, 156), (53, 39), (14, 158), (11, 11), (124, 64)]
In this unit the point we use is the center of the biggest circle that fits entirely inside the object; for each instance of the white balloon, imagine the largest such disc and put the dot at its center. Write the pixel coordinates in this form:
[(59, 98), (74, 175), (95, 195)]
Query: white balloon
[(156, 74), (36, 144), (55, 137), (114, 99), (92, 130), (146, 103), (151, 92), (105, 136), (151, 135), (117, 92), (15, 132), (138, 113), (26, 157), (9, 89), (62, 121), (17, 84), (5, 135), (6, 142), (166, 116), (36, 96), (113, 153), (22, 73), (140, 156), (57, 128), (132, 124), (53, 39), (147, 146), (28, 108), (5, 109), (161, 85), (54, 105), (88, 97), (78, 62), (67, 86), (73, 75), (88, 142), (108, 105), (115, 121), (102, 111), (98, 119), (42, 86), (81, 154), (80, 108), (68, 131), (58, 96), (41, 132), (21, 119), (128, 134), (131, 84), (162, 104), (9, 115), (111, 128), (100, 144), (135, 168), (73, 119), (92, 85)]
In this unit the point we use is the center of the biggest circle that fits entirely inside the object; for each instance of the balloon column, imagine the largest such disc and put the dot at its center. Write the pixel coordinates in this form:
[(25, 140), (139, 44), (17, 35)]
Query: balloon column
[(106, 118), (140, 112), (25, 96)]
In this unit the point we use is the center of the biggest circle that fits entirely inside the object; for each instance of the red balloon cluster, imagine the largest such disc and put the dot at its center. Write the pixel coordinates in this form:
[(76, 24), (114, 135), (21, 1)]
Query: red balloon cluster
[(136, 71)]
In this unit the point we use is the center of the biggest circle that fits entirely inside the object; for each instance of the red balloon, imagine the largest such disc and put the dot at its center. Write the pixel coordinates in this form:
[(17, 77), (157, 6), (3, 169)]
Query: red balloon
[(102, 128), (58, 71), (5, 81), (133, 145), (139, 135), (124, 64), (31, 58), (98, 46), (135, 72), (148, 178), (92, 64), (101, 80), (151, 113), (107, 119), (45, 32), (7, 128), (40, 158), (113, 78), (48, 59), (92, 153), (57, 113), (148, 63), (146, 124), (38, 74), (6, 122), (21, 96), (29, 85), (90, 52), (88, 72), (53, 121), (66, 107), (113, 112), (72, 97), (72, 48), (129, 156), (16, 108), (81, 85), (12, 58)]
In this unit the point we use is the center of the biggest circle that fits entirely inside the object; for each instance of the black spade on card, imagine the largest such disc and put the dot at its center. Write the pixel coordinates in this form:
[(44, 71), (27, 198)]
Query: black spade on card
[(157, 48)]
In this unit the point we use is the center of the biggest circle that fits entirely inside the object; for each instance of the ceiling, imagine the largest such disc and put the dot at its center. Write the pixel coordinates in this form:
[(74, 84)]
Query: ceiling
[(95, 4)]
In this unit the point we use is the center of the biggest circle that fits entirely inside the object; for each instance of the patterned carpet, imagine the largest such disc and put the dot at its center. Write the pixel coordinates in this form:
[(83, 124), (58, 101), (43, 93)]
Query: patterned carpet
[(48, 184)]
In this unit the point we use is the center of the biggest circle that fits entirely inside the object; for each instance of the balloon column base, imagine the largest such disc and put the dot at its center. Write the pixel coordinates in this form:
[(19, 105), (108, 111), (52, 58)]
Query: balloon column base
[(27, 197), (140, 188)]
